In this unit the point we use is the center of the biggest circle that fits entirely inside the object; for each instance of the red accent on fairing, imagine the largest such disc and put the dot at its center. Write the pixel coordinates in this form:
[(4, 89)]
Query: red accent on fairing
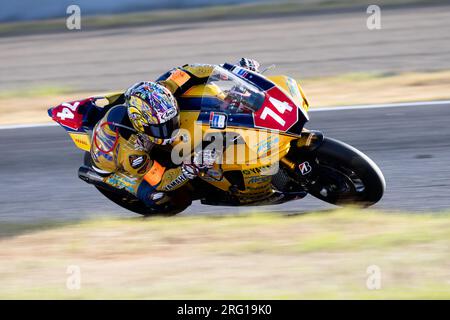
[(73, 107), (289, 117), (115, 142)]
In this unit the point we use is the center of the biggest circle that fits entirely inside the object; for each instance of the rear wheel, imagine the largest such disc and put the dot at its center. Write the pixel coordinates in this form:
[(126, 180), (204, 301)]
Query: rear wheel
[(343, 175), (130, 202)]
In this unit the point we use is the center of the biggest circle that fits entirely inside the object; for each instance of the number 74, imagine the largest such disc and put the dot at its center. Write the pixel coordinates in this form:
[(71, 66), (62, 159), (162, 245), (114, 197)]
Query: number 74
[(67, 111), (281, 108)]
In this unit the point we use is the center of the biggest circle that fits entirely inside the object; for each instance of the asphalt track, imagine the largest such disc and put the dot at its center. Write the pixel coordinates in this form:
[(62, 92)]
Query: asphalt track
[(411, 144), (410, 39)]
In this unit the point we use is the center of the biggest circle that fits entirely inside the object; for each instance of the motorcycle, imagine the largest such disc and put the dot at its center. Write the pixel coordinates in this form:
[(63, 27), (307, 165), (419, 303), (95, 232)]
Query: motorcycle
[(267, 156)]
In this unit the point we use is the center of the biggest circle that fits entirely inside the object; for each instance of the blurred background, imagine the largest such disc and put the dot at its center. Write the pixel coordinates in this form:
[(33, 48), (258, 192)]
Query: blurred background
[(29, 9), (121, 42), (337, 56), (328, 46)]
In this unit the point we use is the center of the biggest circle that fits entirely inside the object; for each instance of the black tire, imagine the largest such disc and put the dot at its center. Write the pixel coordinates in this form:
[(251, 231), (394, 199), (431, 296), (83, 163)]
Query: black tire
[(128, 201), (346, 176)]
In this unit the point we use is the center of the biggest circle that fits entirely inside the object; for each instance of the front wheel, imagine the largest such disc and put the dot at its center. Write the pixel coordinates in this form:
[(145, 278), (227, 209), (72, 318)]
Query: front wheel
[(343, 175)]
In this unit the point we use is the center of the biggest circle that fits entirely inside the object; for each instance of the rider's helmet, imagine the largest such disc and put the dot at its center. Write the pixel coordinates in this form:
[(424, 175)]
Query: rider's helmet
[(153, 111)]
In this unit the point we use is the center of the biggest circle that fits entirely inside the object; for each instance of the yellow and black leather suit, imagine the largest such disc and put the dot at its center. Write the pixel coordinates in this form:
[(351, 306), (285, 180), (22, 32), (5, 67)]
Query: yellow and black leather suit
[(126, 160)]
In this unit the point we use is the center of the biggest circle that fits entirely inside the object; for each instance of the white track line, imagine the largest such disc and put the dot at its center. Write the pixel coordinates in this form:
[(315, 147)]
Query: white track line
[(338, 108), (387, 105), (28, 125)]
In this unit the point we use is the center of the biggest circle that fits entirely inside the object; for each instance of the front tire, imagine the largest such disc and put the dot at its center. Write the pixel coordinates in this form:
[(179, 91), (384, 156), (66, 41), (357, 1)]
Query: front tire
[(345, 176)]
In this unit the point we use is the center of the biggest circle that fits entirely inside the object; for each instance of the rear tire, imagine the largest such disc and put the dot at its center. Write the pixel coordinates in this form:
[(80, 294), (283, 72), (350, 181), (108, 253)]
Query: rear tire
[(129, 201), (345, 176)]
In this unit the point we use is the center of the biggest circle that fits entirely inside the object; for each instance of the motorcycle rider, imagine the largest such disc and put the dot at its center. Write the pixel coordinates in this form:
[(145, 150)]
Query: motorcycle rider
[(131, 142)]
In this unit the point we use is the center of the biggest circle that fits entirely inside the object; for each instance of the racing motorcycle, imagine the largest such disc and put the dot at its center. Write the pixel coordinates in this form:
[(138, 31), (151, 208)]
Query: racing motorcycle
[(249, 114)]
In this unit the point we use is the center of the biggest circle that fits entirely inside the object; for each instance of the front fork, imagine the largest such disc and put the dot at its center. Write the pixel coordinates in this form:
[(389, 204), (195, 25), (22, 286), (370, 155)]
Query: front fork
[(300, 162)]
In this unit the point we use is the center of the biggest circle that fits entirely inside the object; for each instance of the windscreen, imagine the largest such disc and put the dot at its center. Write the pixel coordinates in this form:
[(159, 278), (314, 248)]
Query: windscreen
[(226, 92)]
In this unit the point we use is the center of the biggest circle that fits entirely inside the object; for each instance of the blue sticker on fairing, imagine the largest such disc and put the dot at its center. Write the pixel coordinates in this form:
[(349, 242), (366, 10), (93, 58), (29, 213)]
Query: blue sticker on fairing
[(217, 120)]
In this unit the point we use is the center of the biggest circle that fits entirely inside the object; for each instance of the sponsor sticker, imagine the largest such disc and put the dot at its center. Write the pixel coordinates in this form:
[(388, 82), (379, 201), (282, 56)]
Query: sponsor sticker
[(240, 72), (179, 77), (121, 181), (263, 147), (217, 120), (258, 179), (258, 170), (137, 161), (143, 169), (304, 168), (175, 183), (169, 114)]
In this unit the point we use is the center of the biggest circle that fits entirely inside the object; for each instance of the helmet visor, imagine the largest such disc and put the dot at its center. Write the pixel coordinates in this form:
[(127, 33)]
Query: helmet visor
[(163, 130)]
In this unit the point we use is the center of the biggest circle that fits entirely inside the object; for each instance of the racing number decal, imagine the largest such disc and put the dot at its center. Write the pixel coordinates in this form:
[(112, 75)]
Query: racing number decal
[(281, 108), (67, 111), (68, 114), (277, 113)]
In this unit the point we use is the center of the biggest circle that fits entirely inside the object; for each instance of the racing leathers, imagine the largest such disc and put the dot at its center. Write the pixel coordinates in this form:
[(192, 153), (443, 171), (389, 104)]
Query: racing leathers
[(128, 161)]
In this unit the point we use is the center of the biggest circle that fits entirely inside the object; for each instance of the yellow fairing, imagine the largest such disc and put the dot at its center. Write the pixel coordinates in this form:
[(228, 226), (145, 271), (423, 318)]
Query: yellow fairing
[(257, 153), (293, 89), (204, 90), (112, 97), (81, 140), (262, 149)]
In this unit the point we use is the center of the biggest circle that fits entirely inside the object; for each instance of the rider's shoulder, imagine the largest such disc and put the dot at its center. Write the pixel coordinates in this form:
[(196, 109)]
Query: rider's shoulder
[(184, 72), (117, 114), (199, 70)]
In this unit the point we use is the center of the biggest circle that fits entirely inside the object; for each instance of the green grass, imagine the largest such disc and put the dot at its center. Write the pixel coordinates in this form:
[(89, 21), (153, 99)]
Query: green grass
[(256, 256)]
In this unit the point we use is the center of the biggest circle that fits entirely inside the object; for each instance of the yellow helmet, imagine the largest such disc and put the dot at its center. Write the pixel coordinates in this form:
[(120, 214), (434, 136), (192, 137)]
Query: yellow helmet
[(153, 111)]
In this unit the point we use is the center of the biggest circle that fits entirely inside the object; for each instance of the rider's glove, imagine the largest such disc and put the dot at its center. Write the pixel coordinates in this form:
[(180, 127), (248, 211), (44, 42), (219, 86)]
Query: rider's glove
[(201, 162), (249, 64), (189, 170), (205, 158)]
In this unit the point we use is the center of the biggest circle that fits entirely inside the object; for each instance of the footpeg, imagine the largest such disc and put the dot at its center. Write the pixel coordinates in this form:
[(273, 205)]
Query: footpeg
[(88, 175)]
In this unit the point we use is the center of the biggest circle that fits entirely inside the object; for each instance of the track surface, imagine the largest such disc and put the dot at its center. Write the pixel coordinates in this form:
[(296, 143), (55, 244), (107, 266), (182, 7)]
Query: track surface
[(38, 170), (38, 166), (301, 46)]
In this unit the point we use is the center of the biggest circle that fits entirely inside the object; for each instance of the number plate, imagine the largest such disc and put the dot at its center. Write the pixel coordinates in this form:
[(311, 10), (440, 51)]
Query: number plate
[(278, 112), (69, 115)]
